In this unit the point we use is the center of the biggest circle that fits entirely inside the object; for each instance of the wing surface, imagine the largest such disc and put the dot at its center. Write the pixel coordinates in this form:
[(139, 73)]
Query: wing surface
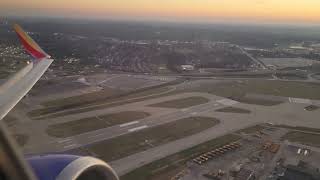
[(16, 87)]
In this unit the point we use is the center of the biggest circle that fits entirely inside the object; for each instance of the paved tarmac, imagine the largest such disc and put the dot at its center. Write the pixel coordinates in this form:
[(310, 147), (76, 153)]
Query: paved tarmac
[(291, 112), (286, 113), (159, 116)]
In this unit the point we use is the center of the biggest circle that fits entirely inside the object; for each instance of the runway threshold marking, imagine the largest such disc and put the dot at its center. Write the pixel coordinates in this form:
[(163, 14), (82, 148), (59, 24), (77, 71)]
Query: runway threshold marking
[(300, 101), (129, 124), (137, 128)]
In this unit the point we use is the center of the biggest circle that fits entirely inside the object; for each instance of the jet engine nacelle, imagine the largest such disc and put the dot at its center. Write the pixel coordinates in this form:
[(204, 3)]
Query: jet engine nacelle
[(70, 167)]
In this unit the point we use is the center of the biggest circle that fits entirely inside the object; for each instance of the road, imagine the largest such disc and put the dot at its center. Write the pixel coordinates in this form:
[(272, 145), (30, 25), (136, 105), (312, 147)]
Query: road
[(253, 59)]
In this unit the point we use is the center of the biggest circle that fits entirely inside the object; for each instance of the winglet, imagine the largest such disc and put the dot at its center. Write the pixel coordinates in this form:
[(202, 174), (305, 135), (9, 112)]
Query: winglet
[(29, 44)]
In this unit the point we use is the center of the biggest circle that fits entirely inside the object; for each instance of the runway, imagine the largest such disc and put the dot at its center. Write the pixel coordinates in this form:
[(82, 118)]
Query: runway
[(159, 116), (291, 112), (286, 113)]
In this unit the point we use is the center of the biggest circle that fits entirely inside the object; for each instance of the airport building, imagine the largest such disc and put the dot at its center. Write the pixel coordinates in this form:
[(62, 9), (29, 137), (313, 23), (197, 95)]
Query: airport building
[(187, 67)]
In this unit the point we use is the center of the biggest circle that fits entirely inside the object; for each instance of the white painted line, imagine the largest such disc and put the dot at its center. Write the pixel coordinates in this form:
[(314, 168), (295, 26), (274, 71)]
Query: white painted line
[(64, 140), (94, 136), (227, 102), (137, 128), (300, 101), (70, 146), (129, 123)]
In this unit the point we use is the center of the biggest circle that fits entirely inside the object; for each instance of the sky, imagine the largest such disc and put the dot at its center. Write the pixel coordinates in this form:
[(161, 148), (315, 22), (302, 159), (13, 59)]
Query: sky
[(291, 11)]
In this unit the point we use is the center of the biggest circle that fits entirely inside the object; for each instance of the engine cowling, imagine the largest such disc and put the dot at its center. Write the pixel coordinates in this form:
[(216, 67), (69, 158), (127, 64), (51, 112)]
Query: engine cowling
[(70, 167)]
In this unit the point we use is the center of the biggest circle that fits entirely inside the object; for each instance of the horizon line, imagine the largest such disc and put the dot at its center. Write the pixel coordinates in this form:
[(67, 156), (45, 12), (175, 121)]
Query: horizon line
[(165, 20)]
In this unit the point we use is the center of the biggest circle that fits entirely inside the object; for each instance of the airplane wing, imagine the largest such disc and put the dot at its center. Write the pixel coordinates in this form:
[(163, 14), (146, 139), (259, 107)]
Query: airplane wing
[(15, 88), (42, 167)]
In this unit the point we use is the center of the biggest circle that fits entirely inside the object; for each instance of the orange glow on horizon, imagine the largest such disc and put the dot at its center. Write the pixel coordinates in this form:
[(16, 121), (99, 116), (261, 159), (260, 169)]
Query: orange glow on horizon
[(258, 10)]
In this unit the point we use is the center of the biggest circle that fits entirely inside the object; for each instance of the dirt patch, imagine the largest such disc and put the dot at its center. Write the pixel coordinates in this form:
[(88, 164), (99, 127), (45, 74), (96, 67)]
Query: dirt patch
[(182, 103)]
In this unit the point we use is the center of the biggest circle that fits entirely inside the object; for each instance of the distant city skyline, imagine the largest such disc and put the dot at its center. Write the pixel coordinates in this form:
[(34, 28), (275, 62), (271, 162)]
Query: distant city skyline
[(261, 11)]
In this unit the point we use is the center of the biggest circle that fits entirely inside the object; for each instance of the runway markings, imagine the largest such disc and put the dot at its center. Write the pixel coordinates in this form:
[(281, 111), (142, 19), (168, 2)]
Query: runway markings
[(129, 124), (227, 102), (70, 146), (137, 128), (64, 140), (299, 101), (97, 135)]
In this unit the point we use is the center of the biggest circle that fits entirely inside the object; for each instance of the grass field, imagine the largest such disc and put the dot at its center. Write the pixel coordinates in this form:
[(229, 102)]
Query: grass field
[(233, 110), (141, 94), (236, 89), (299, 128), (308, 139), (256, 101), (125, 145), (84, 98), (21, 139), (252, 129), (72, 102), (9, 120), (72, 128), (167, 166), (291, 75), (104, 98), (182, 103), (135, 97)]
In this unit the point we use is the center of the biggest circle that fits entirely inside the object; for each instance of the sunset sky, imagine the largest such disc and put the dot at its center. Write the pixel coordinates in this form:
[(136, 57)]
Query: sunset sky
[(306, 11)]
